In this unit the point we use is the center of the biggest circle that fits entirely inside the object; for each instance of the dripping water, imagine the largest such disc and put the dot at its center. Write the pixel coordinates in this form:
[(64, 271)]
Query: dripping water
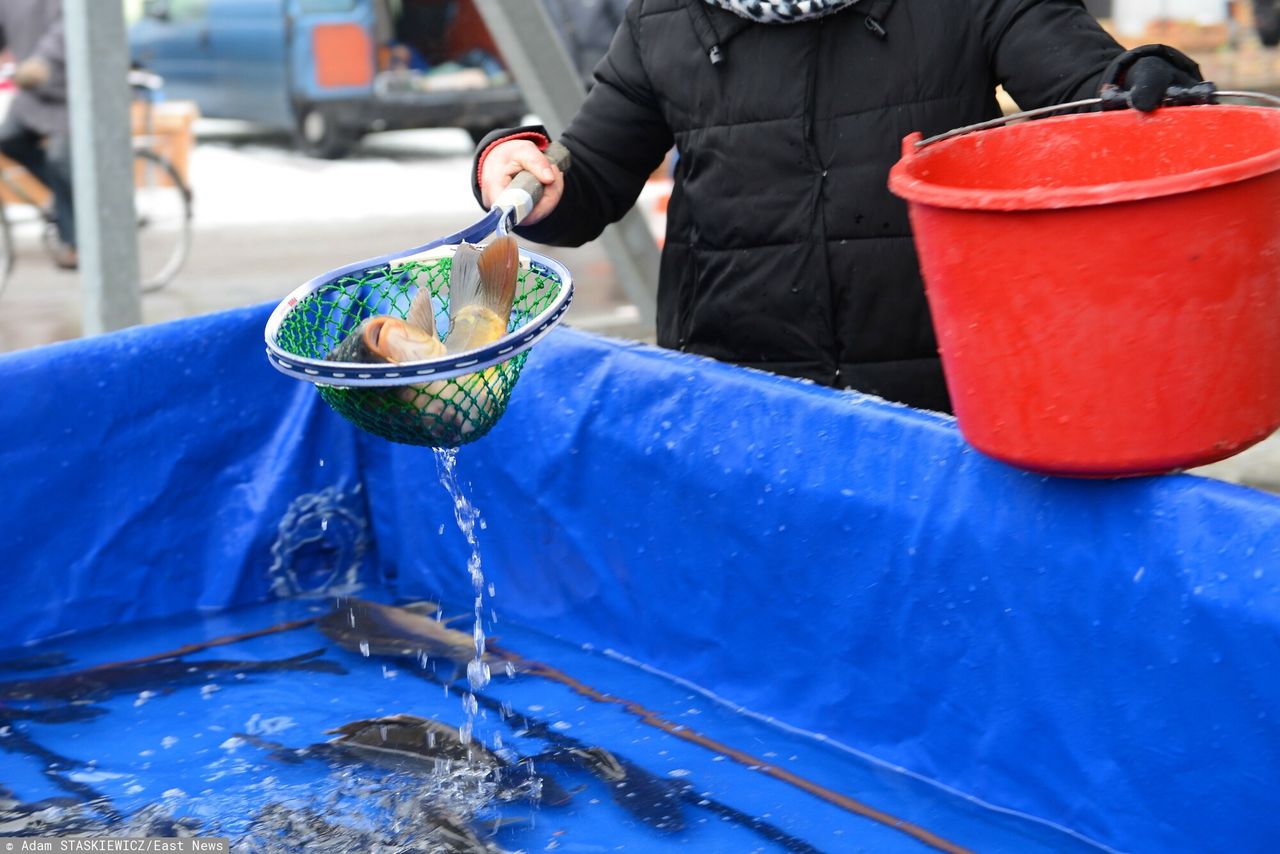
[(468, 517)]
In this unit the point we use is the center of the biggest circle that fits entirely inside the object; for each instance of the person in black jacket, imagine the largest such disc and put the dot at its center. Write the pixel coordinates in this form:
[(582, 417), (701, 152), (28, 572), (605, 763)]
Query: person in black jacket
[(785, 250)]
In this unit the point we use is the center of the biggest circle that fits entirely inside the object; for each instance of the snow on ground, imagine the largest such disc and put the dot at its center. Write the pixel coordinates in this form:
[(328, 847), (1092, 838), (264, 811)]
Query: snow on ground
[(244, 180), (241, 179)]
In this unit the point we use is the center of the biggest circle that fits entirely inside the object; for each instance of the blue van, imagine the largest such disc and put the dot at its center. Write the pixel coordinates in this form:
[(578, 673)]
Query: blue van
[(330, 70)]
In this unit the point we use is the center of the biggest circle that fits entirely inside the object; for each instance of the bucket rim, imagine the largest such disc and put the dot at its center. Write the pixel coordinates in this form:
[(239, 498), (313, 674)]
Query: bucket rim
[(918, 190)]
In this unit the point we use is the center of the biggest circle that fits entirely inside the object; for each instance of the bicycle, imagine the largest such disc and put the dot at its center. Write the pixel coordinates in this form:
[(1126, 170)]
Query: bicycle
[(162, 201)]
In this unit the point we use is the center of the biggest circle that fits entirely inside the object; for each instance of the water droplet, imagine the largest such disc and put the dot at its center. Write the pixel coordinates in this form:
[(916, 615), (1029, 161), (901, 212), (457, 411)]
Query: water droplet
[(477, 674)]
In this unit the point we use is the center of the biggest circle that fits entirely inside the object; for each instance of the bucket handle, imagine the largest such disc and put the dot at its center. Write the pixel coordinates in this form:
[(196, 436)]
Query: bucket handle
[(1111, 98)]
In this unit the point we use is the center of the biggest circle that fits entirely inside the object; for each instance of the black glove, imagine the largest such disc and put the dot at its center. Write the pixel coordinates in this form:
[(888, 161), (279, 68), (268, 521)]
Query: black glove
[(1141, 78)]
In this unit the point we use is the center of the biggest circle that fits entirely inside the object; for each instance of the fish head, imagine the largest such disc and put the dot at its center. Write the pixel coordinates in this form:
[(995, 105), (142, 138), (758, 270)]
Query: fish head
[(398, 341)]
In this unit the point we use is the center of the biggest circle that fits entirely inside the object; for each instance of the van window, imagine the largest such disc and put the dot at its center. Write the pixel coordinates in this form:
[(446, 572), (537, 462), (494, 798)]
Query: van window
[(328, 5), (186, 10)]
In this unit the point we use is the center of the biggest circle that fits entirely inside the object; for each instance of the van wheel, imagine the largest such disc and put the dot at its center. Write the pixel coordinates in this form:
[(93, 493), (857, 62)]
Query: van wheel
[(319, 134)]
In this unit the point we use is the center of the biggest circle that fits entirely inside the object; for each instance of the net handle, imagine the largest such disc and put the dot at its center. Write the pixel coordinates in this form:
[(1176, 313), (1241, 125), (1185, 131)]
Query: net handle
[(525, 190)]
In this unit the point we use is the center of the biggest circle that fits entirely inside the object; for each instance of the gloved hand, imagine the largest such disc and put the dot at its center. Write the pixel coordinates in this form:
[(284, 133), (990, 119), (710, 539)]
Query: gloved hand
[(1140, 77), (32, 73)]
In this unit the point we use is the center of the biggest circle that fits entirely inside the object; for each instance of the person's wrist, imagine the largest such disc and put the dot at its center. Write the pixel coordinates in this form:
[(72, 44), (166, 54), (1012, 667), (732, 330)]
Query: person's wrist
[(537, 134)]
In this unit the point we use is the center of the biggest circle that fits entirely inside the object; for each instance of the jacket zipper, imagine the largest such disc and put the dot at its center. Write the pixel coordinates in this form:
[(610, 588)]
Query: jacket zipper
[(811, 143)]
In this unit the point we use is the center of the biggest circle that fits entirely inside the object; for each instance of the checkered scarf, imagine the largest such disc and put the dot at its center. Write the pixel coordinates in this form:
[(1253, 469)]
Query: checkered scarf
[(782, 11)]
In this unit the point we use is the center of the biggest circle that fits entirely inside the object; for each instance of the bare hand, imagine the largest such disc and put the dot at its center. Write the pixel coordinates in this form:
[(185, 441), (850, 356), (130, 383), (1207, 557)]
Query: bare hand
[(32, 73), (509, 159)]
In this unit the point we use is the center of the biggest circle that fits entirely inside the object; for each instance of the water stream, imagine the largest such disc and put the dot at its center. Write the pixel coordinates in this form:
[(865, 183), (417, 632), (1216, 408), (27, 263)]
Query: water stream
[(468, 519)]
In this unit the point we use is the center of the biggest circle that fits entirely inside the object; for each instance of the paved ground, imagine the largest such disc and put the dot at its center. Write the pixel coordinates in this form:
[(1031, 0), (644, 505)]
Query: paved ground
[(268, 219)]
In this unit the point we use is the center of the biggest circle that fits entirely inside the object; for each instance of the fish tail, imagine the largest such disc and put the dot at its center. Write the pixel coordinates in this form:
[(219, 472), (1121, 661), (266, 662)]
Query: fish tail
[(464, 278), (487, 278), (499, 268)]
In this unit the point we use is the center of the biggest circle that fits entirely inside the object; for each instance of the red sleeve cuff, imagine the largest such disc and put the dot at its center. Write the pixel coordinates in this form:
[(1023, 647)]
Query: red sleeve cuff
[(539, 139)]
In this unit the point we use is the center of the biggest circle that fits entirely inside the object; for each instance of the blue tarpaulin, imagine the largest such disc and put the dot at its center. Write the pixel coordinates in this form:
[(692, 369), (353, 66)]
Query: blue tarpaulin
[(1099, 654)]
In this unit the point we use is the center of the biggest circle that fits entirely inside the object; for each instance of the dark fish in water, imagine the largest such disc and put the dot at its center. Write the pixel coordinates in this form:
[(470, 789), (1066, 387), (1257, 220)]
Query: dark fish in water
[(40, 661), (400, 738), (372, 629), (47, 817), (450, 834), (652, 800), (649, 799), (282, 828), (657, 802), (408, 743), (609, 767), (52, 765), (99, 683), (65, 817)]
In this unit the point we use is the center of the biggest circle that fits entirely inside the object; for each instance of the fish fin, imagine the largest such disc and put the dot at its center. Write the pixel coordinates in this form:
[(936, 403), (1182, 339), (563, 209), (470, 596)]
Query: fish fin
[(422, 312)]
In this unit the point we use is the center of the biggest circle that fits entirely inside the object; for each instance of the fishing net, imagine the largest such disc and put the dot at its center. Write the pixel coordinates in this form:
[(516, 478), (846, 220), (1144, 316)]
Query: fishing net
[(442, 403)]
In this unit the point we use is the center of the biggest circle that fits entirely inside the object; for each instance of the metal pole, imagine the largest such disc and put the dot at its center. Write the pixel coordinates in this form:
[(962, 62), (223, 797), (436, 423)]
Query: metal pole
[(102, 164), (554, 91)]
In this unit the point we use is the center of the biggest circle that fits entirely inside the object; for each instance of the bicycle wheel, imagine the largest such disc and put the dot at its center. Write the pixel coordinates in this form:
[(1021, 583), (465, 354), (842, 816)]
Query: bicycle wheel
[(6, 249), (163, 206)]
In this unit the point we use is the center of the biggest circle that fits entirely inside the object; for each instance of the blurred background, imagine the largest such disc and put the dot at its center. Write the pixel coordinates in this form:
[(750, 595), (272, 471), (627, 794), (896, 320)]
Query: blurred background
[(314, 133)]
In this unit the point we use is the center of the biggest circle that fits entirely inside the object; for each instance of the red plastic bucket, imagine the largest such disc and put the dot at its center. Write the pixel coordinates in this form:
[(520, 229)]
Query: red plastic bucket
[(1105, 286)]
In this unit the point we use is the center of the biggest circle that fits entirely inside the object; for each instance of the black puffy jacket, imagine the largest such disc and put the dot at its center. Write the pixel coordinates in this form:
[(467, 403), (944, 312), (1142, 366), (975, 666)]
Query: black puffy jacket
[(785, 250)]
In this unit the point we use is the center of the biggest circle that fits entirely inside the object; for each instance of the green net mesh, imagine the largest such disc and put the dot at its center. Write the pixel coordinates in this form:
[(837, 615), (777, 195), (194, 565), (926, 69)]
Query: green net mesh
[(438, 413)]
